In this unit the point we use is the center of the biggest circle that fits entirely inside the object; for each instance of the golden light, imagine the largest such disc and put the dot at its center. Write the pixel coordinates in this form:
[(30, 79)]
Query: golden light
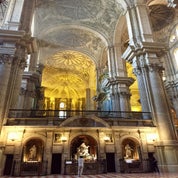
[(13, 136), (151, 137), (63, 139), (66, 75), (106, 139)]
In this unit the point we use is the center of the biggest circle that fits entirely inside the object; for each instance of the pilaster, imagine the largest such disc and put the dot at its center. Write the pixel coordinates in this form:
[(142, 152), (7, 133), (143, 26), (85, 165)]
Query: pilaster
[(6, 61), (13, 16), (143, 53), (120, 93), (111, 61)]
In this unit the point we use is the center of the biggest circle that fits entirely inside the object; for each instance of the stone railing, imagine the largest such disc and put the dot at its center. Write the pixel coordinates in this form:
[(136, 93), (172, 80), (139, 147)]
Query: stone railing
[(56, 117)]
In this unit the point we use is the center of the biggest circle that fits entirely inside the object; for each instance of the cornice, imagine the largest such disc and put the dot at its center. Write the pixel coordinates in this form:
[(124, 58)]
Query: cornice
[(144, 47), (10, 35)]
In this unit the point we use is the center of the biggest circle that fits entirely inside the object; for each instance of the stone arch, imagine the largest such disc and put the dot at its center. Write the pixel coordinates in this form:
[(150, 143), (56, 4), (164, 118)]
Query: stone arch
[(85, 145), (131, 149), (33, 150)]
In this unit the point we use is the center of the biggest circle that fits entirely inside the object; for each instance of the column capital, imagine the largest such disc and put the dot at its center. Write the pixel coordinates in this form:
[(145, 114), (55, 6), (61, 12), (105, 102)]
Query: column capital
[(137, 71), (120, 80), (155, 68), (6, 59), (143, 48), (125, 94), (28, 42)]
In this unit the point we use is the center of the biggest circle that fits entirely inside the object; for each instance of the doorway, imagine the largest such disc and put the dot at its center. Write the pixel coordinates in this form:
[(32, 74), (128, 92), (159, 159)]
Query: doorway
[(8, 165), (56, 163), (110, 161)]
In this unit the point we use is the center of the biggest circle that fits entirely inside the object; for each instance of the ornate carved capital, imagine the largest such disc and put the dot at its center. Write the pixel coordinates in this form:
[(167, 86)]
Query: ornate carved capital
[(125, 94), (6, 59), (24, 92), (29, 43), (142, 49), (20, 62), (137, 71), (155, 68)]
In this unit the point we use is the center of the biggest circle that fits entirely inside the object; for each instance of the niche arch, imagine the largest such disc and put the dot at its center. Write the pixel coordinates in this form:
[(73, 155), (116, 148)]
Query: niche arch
[(90, 143), (131, 150), (33, 150)]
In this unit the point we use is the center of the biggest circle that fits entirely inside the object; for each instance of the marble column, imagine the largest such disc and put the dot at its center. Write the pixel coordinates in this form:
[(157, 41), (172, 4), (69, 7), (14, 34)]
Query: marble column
[(161, 105), (141, 74), (142, 52), (13, 15), (111, 61), (16, 75), (88, 98), (2, 159), (117, 84), (116, 99), (5, 68)]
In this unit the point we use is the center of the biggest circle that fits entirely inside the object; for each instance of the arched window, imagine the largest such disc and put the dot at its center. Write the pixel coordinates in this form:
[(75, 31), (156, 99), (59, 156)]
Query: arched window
[(62, 112), (62, 105)]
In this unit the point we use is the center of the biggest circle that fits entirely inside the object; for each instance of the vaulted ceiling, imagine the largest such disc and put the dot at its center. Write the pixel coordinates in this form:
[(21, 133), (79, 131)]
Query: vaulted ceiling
[(73, 37)]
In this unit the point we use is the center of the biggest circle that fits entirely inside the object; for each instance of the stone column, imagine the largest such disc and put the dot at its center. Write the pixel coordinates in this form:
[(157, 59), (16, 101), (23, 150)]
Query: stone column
[(142, 51), (141, 73), (161, 105), (118, 84), (2, 159), (111, 61), (120, 93), (170, 83), (116, 105), (123, 84), (88, 99), (124, 101), (16, 75), (21, 99), (40, 99), (12, 20), (5, 68), (101, 146), (48, 151)]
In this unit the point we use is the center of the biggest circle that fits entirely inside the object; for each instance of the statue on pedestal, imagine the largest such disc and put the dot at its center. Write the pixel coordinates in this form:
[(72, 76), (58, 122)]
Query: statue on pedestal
[(32, 153)]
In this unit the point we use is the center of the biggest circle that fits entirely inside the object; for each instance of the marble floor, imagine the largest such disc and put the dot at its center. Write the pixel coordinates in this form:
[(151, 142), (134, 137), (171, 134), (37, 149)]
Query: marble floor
[(109, 175)]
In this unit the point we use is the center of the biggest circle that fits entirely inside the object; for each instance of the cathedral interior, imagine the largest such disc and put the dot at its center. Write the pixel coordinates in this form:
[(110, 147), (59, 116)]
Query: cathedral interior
[(91, 78)]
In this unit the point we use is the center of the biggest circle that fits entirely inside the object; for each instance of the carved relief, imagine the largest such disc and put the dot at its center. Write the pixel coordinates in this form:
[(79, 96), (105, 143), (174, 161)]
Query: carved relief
[(95, 13), (6, 59)]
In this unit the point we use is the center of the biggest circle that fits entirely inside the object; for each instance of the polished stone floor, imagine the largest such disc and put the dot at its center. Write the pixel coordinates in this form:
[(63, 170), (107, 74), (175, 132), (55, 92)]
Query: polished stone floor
[(109, 175)]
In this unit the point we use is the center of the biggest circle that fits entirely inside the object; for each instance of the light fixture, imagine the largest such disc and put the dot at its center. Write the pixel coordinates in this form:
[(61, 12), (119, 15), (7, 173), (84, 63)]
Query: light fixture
[(63, 139), (106, 139), (151, 137), (12, 136)]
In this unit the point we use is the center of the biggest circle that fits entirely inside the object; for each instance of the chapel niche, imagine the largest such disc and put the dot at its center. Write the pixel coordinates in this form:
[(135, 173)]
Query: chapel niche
[(84, 145), (33, 151), (131, 150)]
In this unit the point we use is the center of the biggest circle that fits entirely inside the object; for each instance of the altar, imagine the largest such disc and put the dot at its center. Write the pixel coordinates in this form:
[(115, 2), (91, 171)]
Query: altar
[(92, 168), (131, 166)]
